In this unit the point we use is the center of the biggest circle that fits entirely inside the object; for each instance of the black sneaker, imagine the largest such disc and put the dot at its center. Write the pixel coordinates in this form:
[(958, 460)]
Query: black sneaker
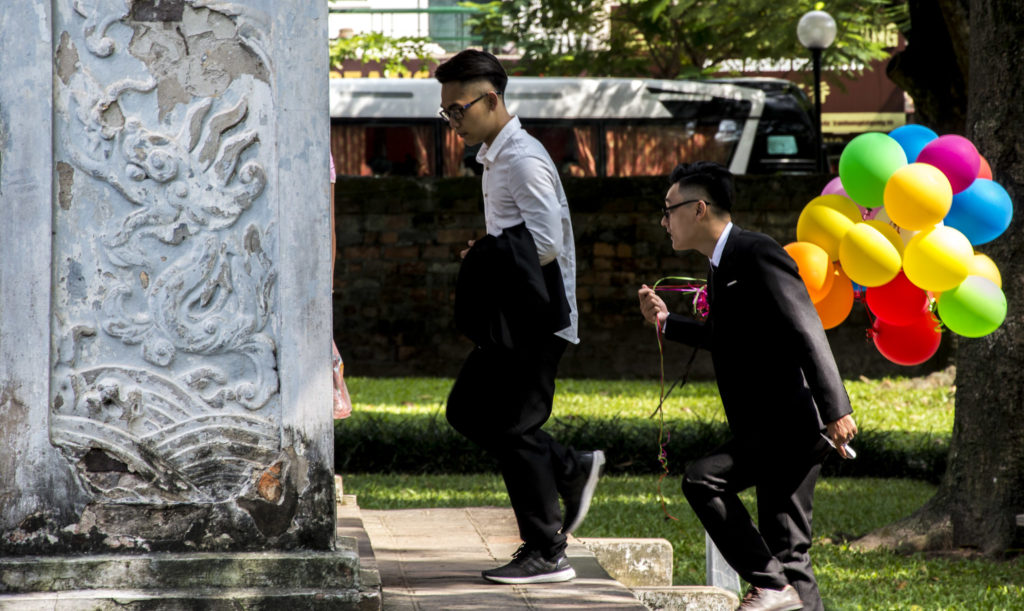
[(529, 566), (577, 502)]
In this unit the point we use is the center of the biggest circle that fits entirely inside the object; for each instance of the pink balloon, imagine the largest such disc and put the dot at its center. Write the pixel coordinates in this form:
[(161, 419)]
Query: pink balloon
[(834, 187), (956, 157)]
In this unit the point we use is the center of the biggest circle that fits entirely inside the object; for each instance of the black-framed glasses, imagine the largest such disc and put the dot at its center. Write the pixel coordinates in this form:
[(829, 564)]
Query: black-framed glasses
[(456, 112), (667, 210)]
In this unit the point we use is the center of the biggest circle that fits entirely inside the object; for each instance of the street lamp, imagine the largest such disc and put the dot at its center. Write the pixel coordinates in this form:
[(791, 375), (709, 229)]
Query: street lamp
[(817, 31)]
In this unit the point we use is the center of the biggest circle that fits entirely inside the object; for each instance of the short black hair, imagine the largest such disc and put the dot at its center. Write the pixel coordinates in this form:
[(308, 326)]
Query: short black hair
[(713, 177), (473, 65)]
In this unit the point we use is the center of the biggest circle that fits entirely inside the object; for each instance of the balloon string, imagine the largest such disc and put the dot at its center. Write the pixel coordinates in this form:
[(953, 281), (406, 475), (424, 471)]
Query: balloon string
[(701, 308)]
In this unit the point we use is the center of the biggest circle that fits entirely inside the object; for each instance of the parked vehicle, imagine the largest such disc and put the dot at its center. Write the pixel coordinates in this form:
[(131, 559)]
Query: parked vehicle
[(785, 140), (590, 126)]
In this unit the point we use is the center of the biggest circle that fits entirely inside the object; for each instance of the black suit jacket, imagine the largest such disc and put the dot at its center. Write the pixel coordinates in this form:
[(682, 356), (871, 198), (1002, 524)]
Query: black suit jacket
[(776, 374), (505, 298)]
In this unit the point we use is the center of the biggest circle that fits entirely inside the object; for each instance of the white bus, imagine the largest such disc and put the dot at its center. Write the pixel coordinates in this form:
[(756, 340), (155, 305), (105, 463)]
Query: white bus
[(590, 126)]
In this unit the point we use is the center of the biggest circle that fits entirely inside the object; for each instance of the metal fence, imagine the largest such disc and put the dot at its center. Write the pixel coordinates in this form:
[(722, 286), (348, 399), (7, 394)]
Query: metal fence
[(443, 25)]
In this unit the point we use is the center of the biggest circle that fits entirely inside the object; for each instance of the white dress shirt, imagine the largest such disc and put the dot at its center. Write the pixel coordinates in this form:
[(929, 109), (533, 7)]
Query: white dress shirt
[(521, 184), (716, 256)]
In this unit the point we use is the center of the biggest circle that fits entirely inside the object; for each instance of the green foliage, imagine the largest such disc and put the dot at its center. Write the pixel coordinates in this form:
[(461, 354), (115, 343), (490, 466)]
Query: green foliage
[(399, 425), (683, 38), (628, 506), (555, 37), (391, 51)]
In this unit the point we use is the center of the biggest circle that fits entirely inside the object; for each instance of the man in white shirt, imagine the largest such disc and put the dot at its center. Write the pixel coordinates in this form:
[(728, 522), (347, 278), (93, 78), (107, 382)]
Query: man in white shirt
[(503, 394)]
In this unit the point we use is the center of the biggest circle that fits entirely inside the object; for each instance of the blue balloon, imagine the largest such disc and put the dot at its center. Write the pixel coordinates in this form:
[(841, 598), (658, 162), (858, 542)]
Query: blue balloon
[(912, 138), (982, 211)]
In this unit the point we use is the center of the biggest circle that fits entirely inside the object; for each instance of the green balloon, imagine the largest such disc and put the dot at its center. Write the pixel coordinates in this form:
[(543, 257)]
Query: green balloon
[(974, 308), (866, 164)]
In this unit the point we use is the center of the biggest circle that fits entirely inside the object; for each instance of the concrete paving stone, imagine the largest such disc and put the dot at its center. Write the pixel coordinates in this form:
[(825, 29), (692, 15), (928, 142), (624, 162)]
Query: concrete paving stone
[(431, 559)]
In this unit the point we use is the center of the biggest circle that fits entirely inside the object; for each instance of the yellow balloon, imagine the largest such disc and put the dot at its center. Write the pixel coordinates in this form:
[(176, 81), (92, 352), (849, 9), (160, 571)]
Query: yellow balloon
[(937, 259), (981, 265), (905, 234), (917, 196), (868, 256), (825, 220), (889, 232)]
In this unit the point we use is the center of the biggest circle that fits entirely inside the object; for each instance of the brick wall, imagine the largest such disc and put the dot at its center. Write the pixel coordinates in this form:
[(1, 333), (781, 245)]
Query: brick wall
[(398, 245)]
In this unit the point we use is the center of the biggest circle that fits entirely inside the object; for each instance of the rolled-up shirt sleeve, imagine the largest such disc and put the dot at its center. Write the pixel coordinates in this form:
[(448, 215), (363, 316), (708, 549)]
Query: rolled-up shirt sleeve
[(536, 195)]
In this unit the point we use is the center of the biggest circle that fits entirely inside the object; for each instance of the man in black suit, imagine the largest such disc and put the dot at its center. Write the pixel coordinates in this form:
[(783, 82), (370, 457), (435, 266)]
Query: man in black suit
[(780, 387)]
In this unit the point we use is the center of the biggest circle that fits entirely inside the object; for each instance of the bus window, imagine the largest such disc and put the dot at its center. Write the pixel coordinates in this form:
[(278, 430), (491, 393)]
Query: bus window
[(653, 150), (571, 147), (348, 147), (383, 150)]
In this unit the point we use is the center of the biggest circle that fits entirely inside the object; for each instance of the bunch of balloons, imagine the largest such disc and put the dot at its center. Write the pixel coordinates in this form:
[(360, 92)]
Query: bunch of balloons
[(898, 227)]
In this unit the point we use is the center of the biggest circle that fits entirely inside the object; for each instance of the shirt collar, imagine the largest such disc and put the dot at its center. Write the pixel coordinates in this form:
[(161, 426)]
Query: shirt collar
[(716, 256), (487, 154)]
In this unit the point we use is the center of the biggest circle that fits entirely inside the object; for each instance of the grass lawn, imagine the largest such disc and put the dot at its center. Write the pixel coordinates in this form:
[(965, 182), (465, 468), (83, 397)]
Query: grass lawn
[(628, 506)]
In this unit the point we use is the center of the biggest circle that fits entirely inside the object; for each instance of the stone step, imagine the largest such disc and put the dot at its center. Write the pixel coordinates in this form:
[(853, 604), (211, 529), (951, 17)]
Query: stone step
[(645, 567), (345, 579), (189, 600), (352, 534), (635, 562), (687, 598), (299, 570)]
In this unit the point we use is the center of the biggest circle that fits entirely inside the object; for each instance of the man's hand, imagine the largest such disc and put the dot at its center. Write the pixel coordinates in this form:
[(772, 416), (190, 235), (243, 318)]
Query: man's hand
[(462, 254), (652, 307), (842, 432)]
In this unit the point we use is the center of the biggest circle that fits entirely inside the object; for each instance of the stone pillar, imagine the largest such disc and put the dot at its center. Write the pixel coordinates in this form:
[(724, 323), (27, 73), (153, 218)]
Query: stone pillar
[(164, 277)]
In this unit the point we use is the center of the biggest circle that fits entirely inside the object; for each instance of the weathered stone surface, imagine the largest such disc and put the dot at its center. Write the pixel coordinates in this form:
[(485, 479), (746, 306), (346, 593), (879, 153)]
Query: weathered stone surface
[(164, 346), (687, 598), (272, 570), (190, 600), (634, 562)]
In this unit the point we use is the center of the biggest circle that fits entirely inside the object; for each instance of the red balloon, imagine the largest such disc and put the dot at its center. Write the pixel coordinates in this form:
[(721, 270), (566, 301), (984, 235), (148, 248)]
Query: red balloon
[(910, 344), (899, 302)]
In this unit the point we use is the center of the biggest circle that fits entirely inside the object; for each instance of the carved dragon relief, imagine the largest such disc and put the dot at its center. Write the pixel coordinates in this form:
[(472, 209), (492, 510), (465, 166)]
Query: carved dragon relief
[(179, 275)]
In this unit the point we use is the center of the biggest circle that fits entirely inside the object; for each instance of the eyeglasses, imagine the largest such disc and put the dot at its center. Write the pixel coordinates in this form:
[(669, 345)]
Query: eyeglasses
[(456, 112), (667, 210)]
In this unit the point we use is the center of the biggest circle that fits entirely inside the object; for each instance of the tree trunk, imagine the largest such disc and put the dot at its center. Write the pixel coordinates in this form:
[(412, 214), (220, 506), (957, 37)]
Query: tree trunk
[(986, 463), (930, 69), (983, 490)]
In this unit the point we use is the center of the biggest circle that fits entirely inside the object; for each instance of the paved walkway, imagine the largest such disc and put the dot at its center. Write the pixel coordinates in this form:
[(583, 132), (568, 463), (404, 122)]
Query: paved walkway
[(430, 559)]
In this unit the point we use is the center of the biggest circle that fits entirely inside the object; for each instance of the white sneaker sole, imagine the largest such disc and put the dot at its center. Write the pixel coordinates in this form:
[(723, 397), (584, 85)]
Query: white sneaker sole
[(555, 577), (588, 492)]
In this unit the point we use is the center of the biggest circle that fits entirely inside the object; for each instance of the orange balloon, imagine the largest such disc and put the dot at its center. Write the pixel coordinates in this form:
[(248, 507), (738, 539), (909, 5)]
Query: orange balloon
[(815, 268), (836, 306)]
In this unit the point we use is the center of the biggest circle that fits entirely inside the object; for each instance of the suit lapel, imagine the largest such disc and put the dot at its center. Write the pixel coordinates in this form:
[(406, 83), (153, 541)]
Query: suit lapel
[(723, 263)]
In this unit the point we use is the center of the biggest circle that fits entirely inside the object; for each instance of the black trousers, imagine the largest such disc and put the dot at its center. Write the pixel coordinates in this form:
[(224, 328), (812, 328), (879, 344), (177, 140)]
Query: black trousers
[(499, 401), (775, 552)]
